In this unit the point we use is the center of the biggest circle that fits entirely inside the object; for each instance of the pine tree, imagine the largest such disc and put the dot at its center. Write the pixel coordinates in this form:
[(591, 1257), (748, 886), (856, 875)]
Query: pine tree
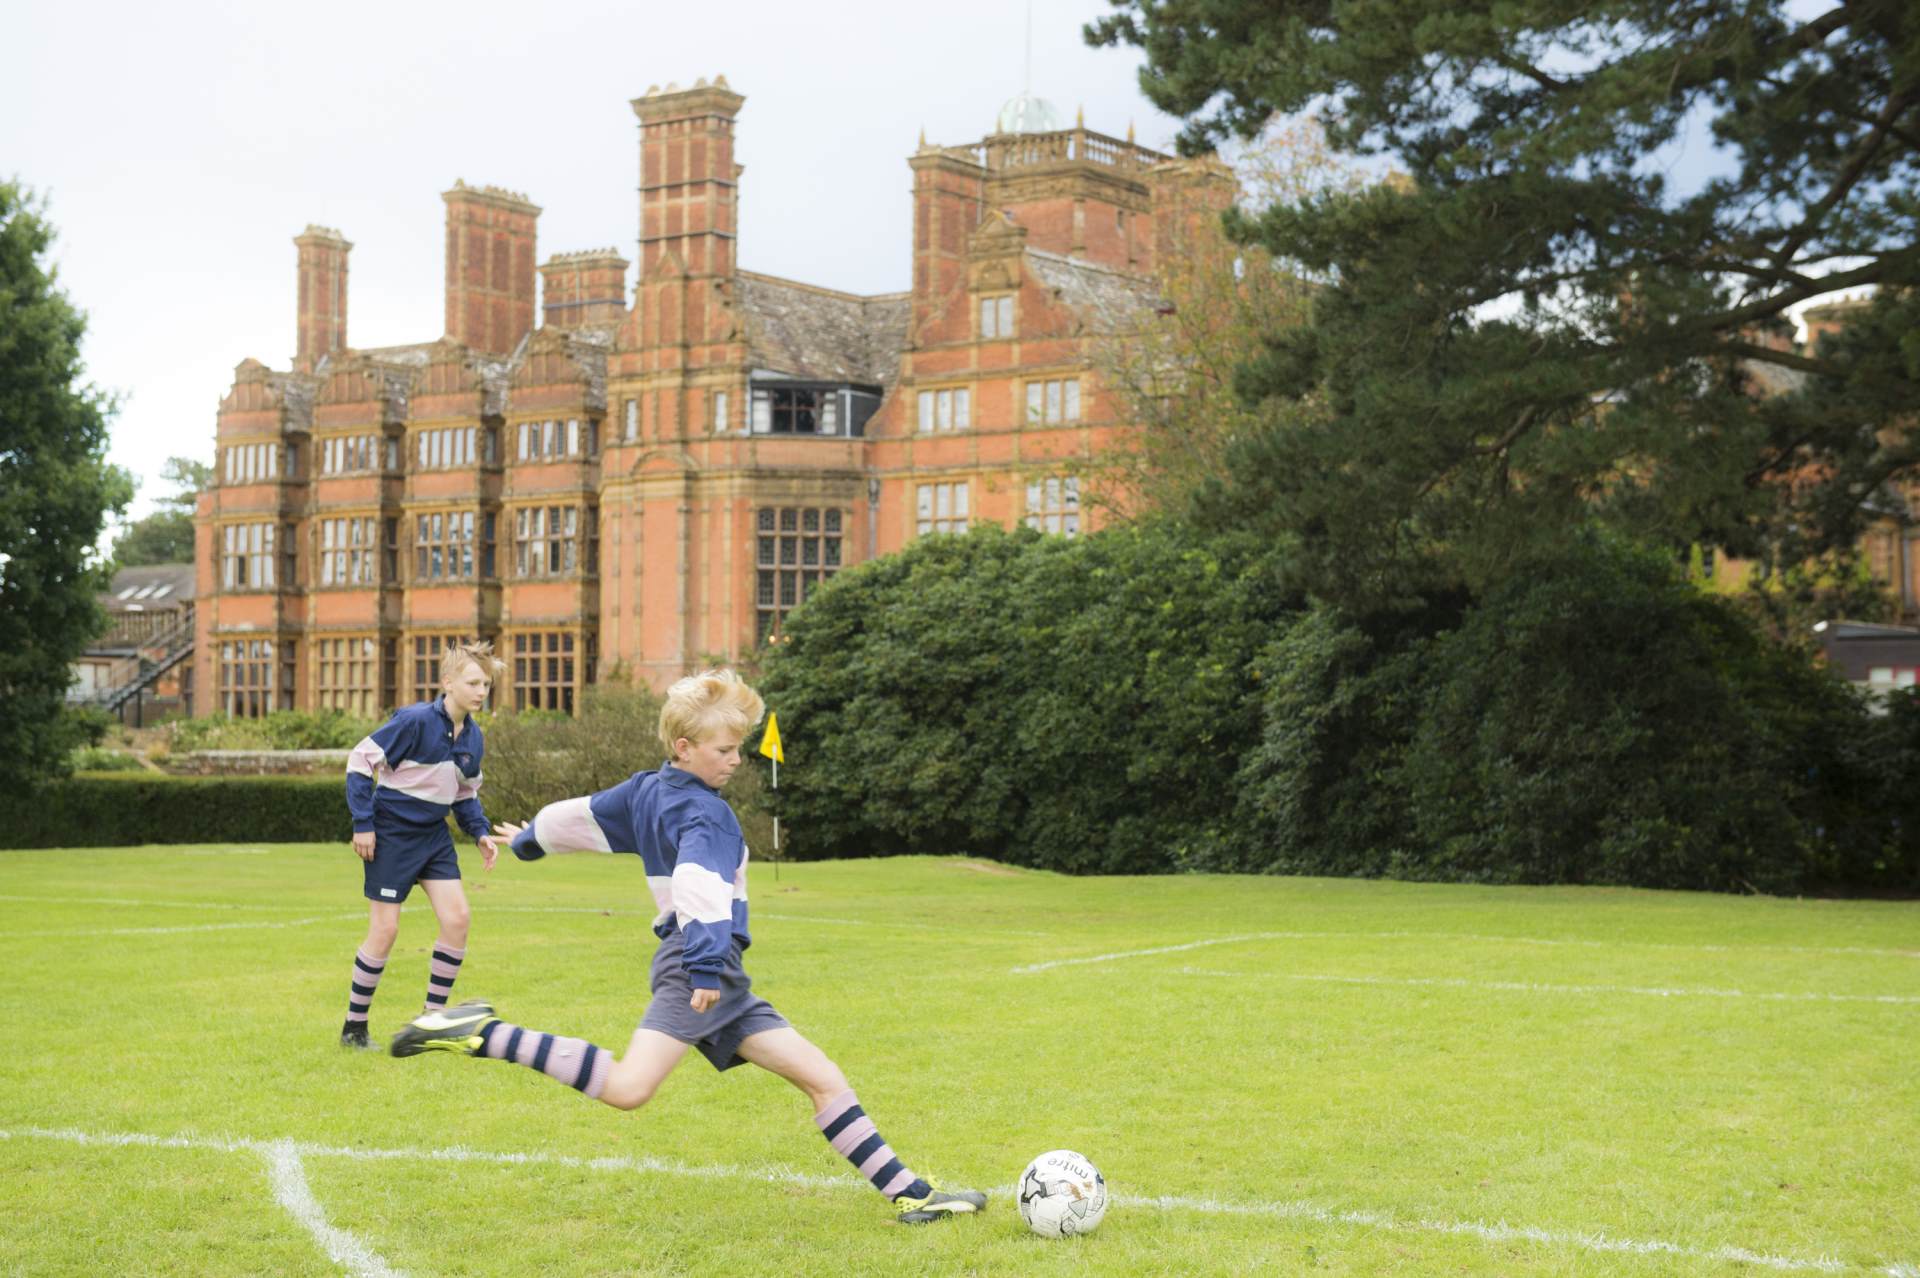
[(1541, 328)]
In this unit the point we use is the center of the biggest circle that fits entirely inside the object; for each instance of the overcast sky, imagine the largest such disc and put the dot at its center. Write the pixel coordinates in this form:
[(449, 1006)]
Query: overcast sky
[(182, 147)]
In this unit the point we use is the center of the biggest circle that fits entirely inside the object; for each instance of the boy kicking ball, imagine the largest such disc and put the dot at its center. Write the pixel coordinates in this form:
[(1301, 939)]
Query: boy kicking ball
[(401, 782), (696, 863)]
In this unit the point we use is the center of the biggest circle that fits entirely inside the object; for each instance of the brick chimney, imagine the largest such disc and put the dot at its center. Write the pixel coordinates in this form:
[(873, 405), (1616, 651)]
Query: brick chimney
[(688, 180), (1189, 195), (584, 288), (490, 256), (322, 322), (949, 193)]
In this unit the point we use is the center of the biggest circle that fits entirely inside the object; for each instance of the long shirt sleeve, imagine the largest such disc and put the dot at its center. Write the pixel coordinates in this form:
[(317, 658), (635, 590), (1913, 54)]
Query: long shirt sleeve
[(379, 749)]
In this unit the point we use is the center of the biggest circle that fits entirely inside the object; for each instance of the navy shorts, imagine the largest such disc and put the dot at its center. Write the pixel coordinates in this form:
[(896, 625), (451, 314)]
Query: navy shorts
[(719, 1030), (405, 854)]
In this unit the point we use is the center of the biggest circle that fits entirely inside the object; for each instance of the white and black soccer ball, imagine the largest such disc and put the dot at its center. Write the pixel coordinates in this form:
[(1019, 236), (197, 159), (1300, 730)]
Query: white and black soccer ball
[(1061, 1193)]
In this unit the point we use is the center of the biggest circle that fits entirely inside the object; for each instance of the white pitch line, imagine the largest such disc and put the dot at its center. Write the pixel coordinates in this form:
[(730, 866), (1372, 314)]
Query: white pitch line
[(1296, 1210), (1502, 1232), (1534, 987), (289, 1181), (1158, 949), (1706, 947), (832, 921), (193, 927), (122, 900)]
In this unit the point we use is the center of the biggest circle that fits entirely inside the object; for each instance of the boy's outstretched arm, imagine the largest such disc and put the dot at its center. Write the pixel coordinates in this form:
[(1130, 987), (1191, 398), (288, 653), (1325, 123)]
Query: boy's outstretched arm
[(592, 823)]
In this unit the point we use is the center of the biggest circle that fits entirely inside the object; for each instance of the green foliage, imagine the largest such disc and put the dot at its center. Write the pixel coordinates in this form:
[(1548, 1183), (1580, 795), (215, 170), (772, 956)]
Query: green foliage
[(116, 810), (1320, 785), (96, 759), (1072, 704), (280, 730), (1632, 371), (56, 491), (1597, 720), (166, 536), (538, 757)]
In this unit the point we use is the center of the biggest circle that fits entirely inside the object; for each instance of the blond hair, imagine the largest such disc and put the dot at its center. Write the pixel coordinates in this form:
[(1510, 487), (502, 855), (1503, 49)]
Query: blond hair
[(455, 656), (712, 701)]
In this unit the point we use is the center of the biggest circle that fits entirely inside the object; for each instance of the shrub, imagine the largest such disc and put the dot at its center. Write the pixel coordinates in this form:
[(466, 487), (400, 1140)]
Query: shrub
[(537, 757), (1598, 720), (116, 810), (1070, 704), (1320, 788), (100, 759), (280, 730)]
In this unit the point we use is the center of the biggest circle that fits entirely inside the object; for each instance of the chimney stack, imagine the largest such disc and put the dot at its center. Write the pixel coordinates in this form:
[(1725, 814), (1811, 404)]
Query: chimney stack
[(688, 178), (322, 322), (949, 201), (490, 256), (584, 288)]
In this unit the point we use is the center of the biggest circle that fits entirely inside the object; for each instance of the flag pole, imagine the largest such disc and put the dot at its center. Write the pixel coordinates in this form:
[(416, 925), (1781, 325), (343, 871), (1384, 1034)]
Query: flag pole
[(770, 748)]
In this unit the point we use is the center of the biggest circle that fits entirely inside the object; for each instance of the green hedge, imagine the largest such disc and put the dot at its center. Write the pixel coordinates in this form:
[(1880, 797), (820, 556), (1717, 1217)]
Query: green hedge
[(1074, 705), (93, 810)]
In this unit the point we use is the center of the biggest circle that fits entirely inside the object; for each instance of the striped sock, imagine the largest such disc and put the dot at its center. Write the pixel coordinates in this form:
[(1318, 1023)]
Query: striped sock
[(573, 1061), (849, 1130), (366, 978), (440, 974)]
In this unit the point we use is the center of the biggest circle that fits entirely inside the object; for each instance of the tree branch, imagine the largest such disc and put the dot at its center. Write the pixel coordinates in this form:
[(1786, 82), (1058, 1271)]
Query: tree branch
[(1850, 173), (1532, 73), (1871, 273), (1785, 359), (1528, 416)]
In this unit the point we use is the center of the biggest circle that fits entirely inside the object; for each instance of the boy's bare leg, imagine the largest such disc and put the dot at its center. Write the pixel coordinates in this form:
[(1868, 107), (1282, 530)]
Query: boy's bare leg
[(837, 1112), (785, 1052), (636, 1076), (449, 901), (383, 925)]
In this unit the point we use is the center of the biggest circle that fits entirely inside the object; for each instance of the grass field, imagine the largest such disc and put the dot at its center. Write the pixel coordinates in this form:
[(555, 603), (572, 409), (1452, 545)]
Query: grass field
[(1275, 1075)]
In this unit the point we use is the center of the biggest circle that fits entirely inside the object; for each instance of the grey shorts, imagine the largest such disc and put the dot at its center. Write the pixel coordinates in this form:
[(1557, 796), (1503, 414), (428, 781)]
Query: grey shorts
[(718, 1031)]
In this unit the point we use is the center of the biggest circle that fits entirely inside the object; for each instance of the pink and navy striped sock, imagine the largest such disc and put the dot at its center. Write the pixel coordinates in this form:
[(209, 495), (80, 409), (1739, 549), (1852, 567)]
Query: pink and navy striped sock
[(366, 978), (573, 1061), (440, 974), (849, 1130)]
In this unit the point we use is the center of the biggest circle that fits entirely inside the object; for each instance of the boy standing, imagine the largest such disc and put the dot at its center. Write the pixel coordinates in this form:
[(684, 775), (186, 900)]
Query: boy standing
[(401, 782), (696, 864)]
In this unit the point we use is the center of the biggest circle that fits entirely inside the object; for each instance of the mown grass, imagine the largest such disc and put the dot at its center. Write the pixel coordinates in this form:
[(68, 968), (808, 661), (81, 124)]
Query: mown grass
[(1332, 1076)]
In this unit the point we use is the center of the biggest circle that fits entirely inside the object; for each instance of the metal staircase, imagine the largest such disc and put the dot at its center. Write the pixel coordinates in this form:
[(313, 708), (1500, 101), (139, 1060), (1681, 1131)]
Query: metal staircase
[(128, 677)]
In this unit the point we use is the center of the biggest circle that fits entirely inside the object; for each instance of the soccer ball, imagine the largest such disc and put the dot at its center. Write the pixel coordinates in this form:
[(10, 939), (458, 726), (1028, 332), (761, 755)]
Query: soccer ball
[(1061, 1193)]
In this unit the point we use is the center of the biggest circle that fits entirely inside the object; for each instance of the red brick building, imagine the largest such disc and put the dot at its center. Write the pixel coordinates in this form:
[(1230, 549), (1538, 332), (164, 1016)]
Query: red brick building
[(656, 482)]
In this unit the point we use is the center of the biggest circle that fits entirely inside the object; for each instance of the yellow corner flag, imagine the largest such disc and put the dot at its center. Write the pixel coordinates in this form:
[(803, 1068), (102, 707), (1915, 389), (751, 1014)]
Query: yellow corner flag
[(770, 742)]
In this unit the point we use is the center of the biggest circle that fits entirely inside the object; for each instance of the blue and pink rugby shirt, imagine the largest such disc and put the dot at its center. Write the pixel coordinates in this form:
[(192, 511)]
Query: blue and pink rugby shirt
[(689, 842), (404, 777)]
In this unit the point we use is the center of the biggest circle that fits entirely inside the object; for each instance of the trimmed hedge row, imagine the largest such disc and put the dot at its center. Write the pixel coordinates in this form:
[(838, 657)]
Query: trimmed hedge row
[(94, 810)]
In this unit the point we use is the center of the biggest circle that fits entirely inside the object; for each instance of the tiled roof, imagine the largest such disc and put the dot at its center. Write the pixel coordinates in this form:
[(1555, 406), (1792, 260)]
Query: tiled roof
[(151, 587), (821, 335), (1111, 301)]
